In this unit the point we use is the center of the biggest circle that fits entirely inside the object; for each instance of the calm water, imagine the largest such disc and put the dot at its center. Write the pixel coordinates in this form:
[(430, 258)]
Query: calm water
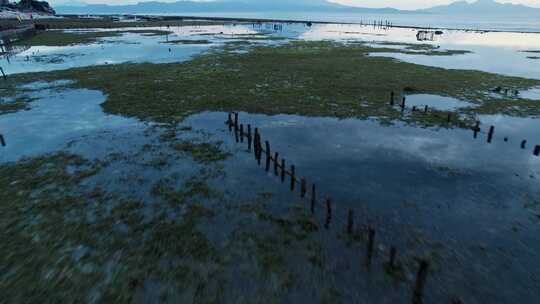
[(471, 204), (529, 24)]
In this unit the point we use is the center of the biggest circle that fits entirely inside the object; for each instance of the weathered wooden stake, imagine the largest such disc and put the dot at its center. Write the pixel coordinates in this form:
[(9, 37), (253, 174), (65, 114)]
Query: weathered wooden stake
[(283, 169), (303, 187), (235, 122), (249, 138), (268, 155), (328, 213), (476, 129), (490, 134), (536, 150), (425, 109), (2, 140), (403, 104), (392, 98), (350, 223), (255, 139), (236, 135), (420, 281), (523, 144), (414, 108), (276, 163), (449, 118), (293, 178), (259, 149), (3, 74), (371, 244), (241, 133), (313, 199)]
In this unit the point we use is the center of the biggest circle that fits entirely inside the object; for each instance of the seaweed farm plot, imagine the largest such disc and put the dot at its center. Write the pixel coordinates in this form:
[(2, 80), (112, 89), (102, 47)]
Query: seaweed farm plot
[(467, 206)]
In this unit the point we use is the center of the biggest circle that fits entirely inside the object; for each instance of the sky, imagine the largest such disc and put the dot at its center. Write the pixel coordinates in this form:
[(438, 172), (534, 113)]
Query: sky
[(401, 4)]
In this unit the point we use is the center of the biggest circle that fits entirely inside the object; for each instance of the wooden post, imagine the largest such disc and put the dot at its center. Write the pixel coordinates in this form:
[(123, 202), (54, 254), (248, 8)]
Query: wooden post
[(392, 261), (255, 138), (523, 144), (536, 150), (371, 244), (283, 169), (476, 129), (392, 98), (3, 74), (249, 137), (241, 133), (425, 109), (303, 187), (268, 155), (414, 108), (420, 281), (403, 104), (293, 178), (236, 134), (490, 134), (350, 223), (449, 117), (313, 199), (235, 122), (2, 140), (276, 163), (259, 149), (328, 213)]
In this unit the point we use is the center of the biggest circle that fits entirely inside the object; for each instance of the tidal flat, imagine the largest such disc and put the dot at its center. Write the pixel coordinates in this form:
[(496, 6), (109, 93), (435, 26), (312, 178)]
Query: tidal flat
[(121, 181)]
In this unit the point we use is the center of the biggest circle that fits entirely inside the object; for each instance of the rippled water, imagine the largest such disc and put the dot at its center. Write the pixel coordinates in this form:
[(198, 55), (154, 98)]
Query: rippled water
[(476, 202)]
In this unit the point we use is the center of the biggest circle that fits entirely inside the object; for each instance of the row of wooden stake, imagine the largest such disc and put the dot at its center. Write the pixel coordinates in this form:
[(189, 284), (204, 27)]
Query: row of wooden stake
[(476, 129), (254, 141)]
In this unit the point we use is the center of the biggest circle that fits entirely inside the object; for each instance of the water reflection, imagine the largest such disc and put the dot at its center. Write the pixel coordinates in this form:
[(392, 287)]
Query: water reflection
[(437, 102), (55, 119), (436, 186), (496, 52)]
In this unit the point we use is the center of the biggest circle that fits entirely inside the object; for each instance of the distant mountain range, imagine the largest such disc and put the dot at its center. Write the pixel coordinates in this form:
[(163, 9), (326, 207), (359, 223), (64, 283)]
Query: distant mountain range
[(483, 7), (480, 7), (179, 7)]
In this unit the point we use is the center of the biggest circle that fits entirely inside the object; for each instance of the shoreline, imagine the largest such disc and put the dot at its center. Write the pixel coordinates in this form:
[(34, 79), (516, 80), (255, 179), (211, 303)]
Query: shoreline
[(59, 18), (281, 20)]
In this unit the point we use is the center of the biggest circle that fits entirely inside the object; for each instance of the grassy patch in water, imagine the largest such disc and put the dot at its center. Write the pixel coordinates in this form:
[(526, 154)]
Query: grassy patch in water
[(201, 152), (20, 103), (306, 78)]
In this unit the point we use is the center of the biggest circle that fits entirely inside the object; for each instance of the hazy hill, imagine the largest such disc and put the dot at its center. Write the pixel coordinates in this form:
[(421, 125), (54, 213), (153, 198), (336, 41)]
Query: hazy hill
[(483, 7), (217, 6)]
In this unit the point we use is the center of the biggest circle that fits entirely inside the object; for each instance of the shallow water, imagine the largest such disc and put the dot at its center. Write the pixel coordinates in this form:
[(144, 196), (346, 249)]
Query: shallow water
[(56, 118), (437, 102), (419, 186), (533, 94), (495, 52)]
